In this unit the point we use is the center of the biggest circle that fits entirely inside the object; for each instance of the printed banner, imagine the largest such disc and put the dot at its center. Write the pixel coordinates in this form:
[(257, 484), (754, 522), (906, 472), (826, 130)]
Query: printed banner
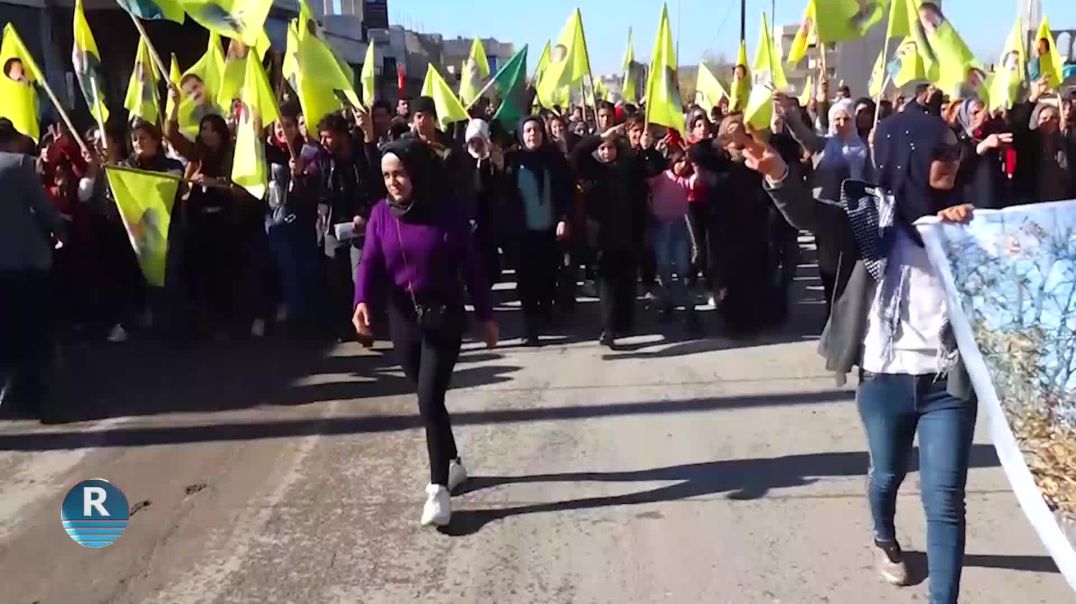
[(1010, 279)]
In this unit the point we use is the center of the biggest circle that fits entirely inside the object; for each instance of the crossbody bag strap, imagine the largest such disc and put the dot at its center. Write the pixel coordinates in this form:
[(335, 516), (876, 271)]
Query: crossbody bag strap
[(407, 265)]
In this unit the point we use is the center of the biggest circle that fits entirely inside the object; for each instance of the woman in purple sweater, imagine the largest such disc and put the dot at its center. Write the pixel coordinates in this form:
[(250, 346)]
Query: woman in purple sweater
[(419, 253)]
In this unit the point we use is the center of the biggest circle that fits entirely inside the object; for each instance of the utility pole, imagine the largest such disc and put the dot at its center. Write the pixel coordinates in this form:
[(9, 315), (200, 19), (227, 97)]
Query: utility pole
[(743, 20)]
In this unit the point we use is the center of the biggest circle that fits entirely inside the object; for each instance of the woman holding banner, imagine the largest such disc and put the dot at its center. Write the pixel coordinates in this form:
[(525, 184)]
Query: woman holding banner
[(890, 321)]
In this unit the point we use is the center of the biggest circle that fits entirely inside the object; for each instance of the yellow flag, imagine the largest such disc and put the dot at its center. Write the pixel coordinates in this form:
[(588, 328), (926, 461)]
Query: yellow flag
[(908, 64), (145, 201), (315, 72), (1046, 62), (842, 20), (767, 76), (629, 88), (767, 68), (663, 103), (87, 64), (805, 36), (543, 62), (568, 61), (17, 90), (237, 19), (369, 76), (201, 84), (449, 108), (233, 75), (174, 75), (741, 81), (259, 109), (1009, 73), (903, 17), (708, 90), (188, 125), (142, 100), (263, 45), (475, 68), (601, 91), (808, 91), (956, 68)]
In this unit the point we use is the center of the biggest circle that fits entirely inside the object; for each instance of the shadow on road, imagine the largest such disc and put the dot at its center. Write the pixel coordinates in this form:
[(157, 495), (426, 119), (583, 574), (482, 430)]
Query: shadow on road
[(918, 572), (146, 378), (239, 431), (740, 479)]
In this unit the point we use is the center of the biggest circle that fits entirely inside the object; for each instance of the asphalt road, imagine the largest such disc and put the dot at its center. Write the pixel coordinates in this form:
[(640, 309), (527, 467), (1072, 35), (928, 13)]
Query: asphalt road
[(678, 470)]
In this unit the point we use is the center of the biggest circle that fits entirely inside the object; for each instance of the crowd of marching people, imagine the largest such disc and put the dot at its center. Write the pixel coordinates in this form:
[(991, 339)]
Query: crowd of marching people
[(378, 212), (612, 207)]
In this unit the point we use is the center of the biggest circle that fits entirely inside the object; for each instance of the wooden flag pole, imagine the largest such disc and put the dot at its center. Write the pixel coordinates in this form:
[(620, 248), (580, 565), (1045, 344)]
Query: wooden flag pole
[(482, 92), (885, 82), (149, 44), (63, 115), (97, 116), (590, 76)]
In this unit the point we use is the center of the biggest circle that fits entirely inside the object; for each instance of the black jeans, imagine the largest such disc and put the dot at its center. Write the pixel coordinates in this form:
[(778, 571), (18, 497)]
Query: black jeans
[(428, 359), (536, 261), (700, 219), (25, 337), (616, 290), (340, 274)]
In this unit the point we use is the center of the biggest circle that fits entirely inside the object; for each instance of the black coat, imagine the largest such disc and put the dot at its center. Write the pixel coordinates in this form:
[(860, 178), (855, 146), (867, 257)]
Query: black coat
[(614, 195), (510, 213), (982, 178), (1028, 143)]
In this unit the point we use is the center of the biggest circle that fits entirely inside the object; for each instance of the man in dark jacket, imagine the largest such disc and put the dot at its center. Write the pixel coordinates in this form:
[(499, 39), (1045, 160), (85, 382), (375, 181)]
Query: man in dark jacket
[(349, 180), (27, 223), (615, 194), (424, 127)]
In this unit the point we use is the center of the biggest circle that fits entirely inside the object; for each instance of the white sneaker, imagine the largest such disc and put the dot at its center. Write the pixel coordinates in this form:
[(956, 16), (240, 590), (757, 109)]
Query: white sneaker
[(438, 508), (118, 334), (889, 560), (257, 328), (457, 474)]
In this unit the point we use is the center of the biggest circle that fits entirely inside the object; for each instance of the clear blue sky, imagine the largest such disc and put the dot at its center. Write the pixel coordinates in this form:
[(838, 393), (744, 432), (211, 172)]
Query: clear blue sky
[(704, 25)]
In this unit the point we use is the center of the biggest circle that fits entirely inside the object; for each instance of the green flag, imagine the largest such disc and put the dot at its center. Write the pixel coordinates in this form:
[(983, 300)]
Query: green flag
[(510, 83)]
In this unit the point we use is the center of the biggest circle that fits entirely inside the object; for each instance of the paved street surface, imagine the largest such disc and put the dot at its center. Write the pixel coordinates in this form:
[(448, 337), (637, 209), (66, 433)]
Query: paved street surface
[(675, 471)]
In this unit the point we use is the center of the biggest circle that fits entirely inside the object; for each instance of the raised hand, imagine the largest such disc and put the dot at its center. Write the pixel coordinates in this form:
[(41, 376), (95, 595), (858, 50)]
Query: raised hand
[(760, 156)]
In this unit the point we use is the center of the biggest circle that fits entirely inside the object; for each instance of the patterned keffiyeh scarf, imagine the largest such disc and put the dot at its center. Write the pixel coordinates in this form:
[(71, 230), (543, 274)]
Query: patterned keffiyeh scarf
[(872, 214)]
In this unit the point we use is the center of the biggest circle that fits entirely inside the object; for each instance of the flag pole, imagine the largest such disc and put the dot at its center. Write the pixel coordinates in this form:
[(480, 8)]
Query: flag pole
[(590, 76), (63, 115), (485, 88), (743, 20), (149, 44), (885, 82), (97, 115)]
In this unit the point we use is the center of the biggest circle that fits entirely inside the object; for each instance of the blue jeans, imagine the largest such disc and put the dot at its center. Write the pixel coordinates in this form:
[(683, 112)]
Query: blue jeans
[(672, 251), (295, 254), (892, 408)]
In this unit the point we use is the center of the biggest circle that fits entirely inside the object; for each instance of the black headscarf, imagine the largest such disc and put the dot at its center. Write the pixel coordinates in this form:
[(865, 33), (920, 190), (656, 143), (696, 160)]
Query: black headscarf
[(536, 160), (427, 179), (905, 145)]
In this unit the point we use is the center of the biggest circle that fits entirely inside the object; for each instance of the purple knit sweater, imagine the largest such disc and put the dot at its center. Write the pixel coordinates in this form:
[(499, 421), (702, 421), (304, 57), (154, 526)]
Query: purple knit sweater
[(438, 255)]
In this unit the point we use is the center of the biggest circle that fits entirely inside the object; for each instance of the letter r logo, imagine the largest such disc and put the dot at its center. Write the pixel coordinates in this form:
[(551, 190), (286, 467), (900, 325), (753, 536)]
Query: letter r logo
[(93, 498)]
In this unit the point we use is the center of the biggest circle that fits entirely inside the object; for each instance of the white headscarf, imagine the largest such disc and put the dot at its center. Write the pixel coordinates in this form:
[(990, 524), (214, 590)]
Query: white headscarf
[(851, 152), (477, 128)]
